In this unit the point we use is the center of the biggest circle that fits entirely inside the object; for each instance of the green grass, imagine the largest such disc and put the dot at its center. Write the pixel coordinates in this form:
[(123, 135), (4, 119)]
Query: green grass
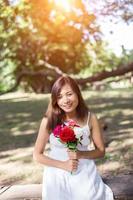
[(20, 116)]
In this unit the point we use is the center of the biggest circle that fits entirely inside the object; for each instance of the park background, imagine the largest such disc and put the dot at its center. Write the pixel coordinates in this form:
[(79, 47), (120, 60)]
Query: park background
[(41, 40)]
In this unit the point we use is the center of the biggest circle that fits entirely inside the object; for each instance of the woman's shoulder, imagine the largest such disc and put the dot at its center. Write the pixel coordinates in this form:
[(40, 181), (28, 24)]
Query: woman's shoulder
[(44, 121), (93, 118)]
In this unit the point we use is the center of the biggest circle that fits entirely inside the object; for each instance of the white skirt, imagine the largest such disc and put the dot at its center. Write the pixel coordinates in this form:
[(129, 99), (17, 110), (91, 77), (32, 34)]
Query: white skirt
[(84, 184)]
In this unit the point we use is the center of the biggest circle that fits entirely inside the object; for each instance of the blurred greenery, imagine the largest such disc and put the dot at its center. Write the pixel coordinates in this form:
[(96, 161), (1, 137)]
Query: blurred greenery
[(34, 34)]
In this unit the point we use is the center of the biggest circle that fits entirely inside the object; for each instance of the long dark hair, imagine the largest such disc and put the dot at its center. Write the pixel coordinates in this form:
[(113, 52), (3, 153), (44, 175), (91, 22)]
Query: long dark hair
[(54, 113)]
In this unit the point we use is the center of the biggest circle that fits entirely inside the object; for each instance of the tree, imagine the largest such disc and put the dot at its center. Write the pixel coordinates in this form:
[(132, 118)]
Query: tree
[(40, 42), (119, 10), (59, 41)]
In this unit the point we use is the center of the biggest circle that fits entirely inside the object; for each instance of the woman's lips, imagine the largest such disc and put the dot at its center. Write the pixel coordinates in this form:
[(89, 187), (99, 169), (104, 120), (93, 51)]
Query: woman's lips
[(67, 106)]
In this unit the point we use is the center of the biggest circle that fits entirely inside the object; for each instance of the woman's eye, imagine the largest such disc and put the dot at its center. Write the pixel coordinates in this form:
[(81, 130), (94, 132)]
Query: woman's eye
[(69, 94), (59, 97)]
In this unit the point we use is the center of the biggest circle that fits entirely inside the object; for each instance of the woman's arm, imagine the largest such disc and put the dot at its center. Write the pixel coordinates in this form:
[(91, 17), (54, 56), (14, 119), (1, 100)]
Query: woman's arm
[(38, 153), (98, 140)]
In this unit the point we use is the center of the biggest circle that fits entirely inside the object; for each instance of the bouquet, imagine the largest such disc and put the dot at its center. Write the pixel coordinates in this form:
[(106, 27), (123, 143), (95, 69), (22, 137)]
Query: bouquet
[(70, 134)]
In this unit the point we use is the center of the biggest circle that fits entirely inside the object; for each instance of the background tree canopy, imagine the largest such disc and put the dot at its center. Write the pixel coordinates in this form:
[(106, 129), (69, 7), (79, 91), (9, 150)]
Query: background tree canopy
[(40, 41)]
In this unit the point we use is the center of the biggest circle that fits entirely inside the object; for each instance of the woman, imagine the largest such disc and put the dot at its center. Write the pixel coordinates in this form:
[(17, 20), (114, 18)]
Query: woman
[(70, 175)]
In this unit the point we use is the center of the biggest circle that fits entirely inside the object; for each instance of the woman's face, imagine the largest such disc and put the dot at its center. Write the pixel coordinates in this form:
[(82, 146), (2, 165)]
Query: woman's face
[(67, 100)]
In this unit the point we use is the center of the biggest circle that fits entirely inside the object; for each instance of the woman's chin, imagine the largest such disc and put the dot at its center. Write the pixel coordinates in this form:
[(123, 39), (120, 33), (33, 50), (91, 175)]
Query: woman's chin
[(69, 110)]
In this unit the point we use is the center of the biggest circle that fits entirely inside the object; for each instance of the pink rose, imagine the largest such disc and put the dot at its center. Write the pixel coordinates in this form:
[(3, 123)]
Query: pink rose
[(72, 123), (57, 130)]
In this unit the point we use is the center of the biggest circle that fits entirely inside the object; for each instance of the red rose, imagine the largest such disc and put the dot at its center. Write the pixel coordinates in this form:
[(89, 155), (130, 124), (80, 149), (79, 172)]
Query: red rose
[(67, 135)]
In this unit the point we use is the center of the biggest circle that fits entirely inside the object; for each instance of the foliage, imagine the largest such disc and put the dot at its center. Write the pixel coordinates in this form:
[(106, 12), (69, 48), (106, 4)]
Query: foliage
[(114, 9), (34, 33), (38, 31), (98, 58), (10, 41)]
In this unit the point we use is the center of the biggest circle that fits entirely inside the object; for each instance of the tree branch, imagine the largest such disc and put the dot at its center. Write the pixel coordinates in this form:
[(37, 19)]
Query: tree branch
[(54, 72), (105, 74)]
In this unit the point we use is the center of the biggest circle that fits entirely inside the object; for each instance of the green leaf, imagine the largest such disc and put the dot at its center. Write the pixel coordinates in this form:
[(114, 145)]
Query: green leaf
[(72, 145)]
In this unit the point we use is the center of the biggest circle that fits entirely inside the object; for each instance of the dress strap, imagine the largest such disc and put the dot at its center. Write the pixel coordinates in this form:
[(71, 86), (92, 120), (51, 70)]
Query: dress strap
[(88, 118)]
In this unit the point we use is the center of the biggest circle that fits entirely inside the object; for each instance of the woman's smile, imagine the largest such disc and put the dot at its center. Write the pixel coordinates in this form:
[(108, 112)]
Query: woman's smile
[(67, 105)]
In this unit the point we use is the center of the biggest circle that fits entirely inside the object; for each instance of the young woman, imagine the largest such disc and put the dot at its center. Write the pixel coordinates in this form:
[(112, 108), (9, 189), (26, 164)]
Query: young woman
[(70, 175)]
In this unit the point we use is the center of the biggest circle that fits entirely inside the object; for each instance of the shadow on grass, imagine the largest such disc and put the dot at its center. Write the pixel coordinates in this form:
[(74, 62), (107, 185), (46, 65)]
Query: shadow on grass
[(20, 122), (19, 141), (110, 103), (115, 111), (20, 118)]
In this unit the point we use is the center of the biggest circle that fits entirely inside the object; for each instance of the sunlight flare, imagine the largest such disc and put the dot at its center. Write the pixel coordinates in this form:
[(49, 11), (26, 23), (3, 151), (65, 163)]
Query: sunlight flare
[(64, 5)]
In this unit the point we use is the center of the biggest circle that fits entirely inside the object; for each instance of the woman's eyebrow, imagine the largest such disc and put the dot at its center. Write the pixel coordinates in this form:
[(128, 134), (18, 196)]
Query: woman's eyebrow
[(69, 91), (65, 93)]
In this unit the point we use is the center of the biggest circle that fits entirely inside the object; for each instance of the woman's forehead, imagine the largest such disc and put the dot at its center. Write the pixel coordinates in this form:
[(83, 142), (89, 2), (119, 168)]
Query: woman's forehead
[(66, 88)]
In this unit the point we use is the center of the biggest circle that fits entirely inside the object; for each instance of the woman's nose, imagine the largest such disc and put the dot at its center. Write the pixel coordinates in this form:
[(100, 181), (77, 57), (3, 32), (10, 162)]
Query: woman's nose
[(66, 99)]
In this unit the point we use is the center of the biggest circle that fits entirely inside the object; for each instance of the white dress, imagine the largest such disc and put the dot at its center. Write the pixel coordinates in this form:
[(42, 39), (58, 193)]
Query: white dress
[(83, 184)]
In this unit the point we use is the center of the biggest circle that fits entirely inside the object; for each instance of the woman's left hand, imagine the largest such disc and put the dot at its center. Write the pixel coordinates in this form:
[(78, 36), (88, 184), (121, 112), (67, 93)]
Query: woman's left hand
[(73, 154)]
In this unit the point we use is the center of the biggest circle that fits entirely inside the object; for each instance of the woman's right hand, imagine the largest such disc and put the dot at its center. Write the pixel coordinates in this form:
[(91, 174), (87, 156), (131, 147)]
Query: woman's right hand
[(70, 165)]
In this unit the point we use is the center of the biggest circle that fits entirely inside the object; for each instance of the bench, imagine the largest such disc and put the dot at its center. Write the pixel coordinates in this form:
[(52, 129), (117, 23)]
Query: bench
[(121, 185)]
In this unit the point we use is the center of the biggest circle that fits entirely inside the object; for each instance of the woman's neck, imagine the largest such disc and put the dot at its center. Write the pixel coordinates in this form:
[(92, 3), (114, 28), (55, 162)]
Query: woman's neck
[(71, 116)]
